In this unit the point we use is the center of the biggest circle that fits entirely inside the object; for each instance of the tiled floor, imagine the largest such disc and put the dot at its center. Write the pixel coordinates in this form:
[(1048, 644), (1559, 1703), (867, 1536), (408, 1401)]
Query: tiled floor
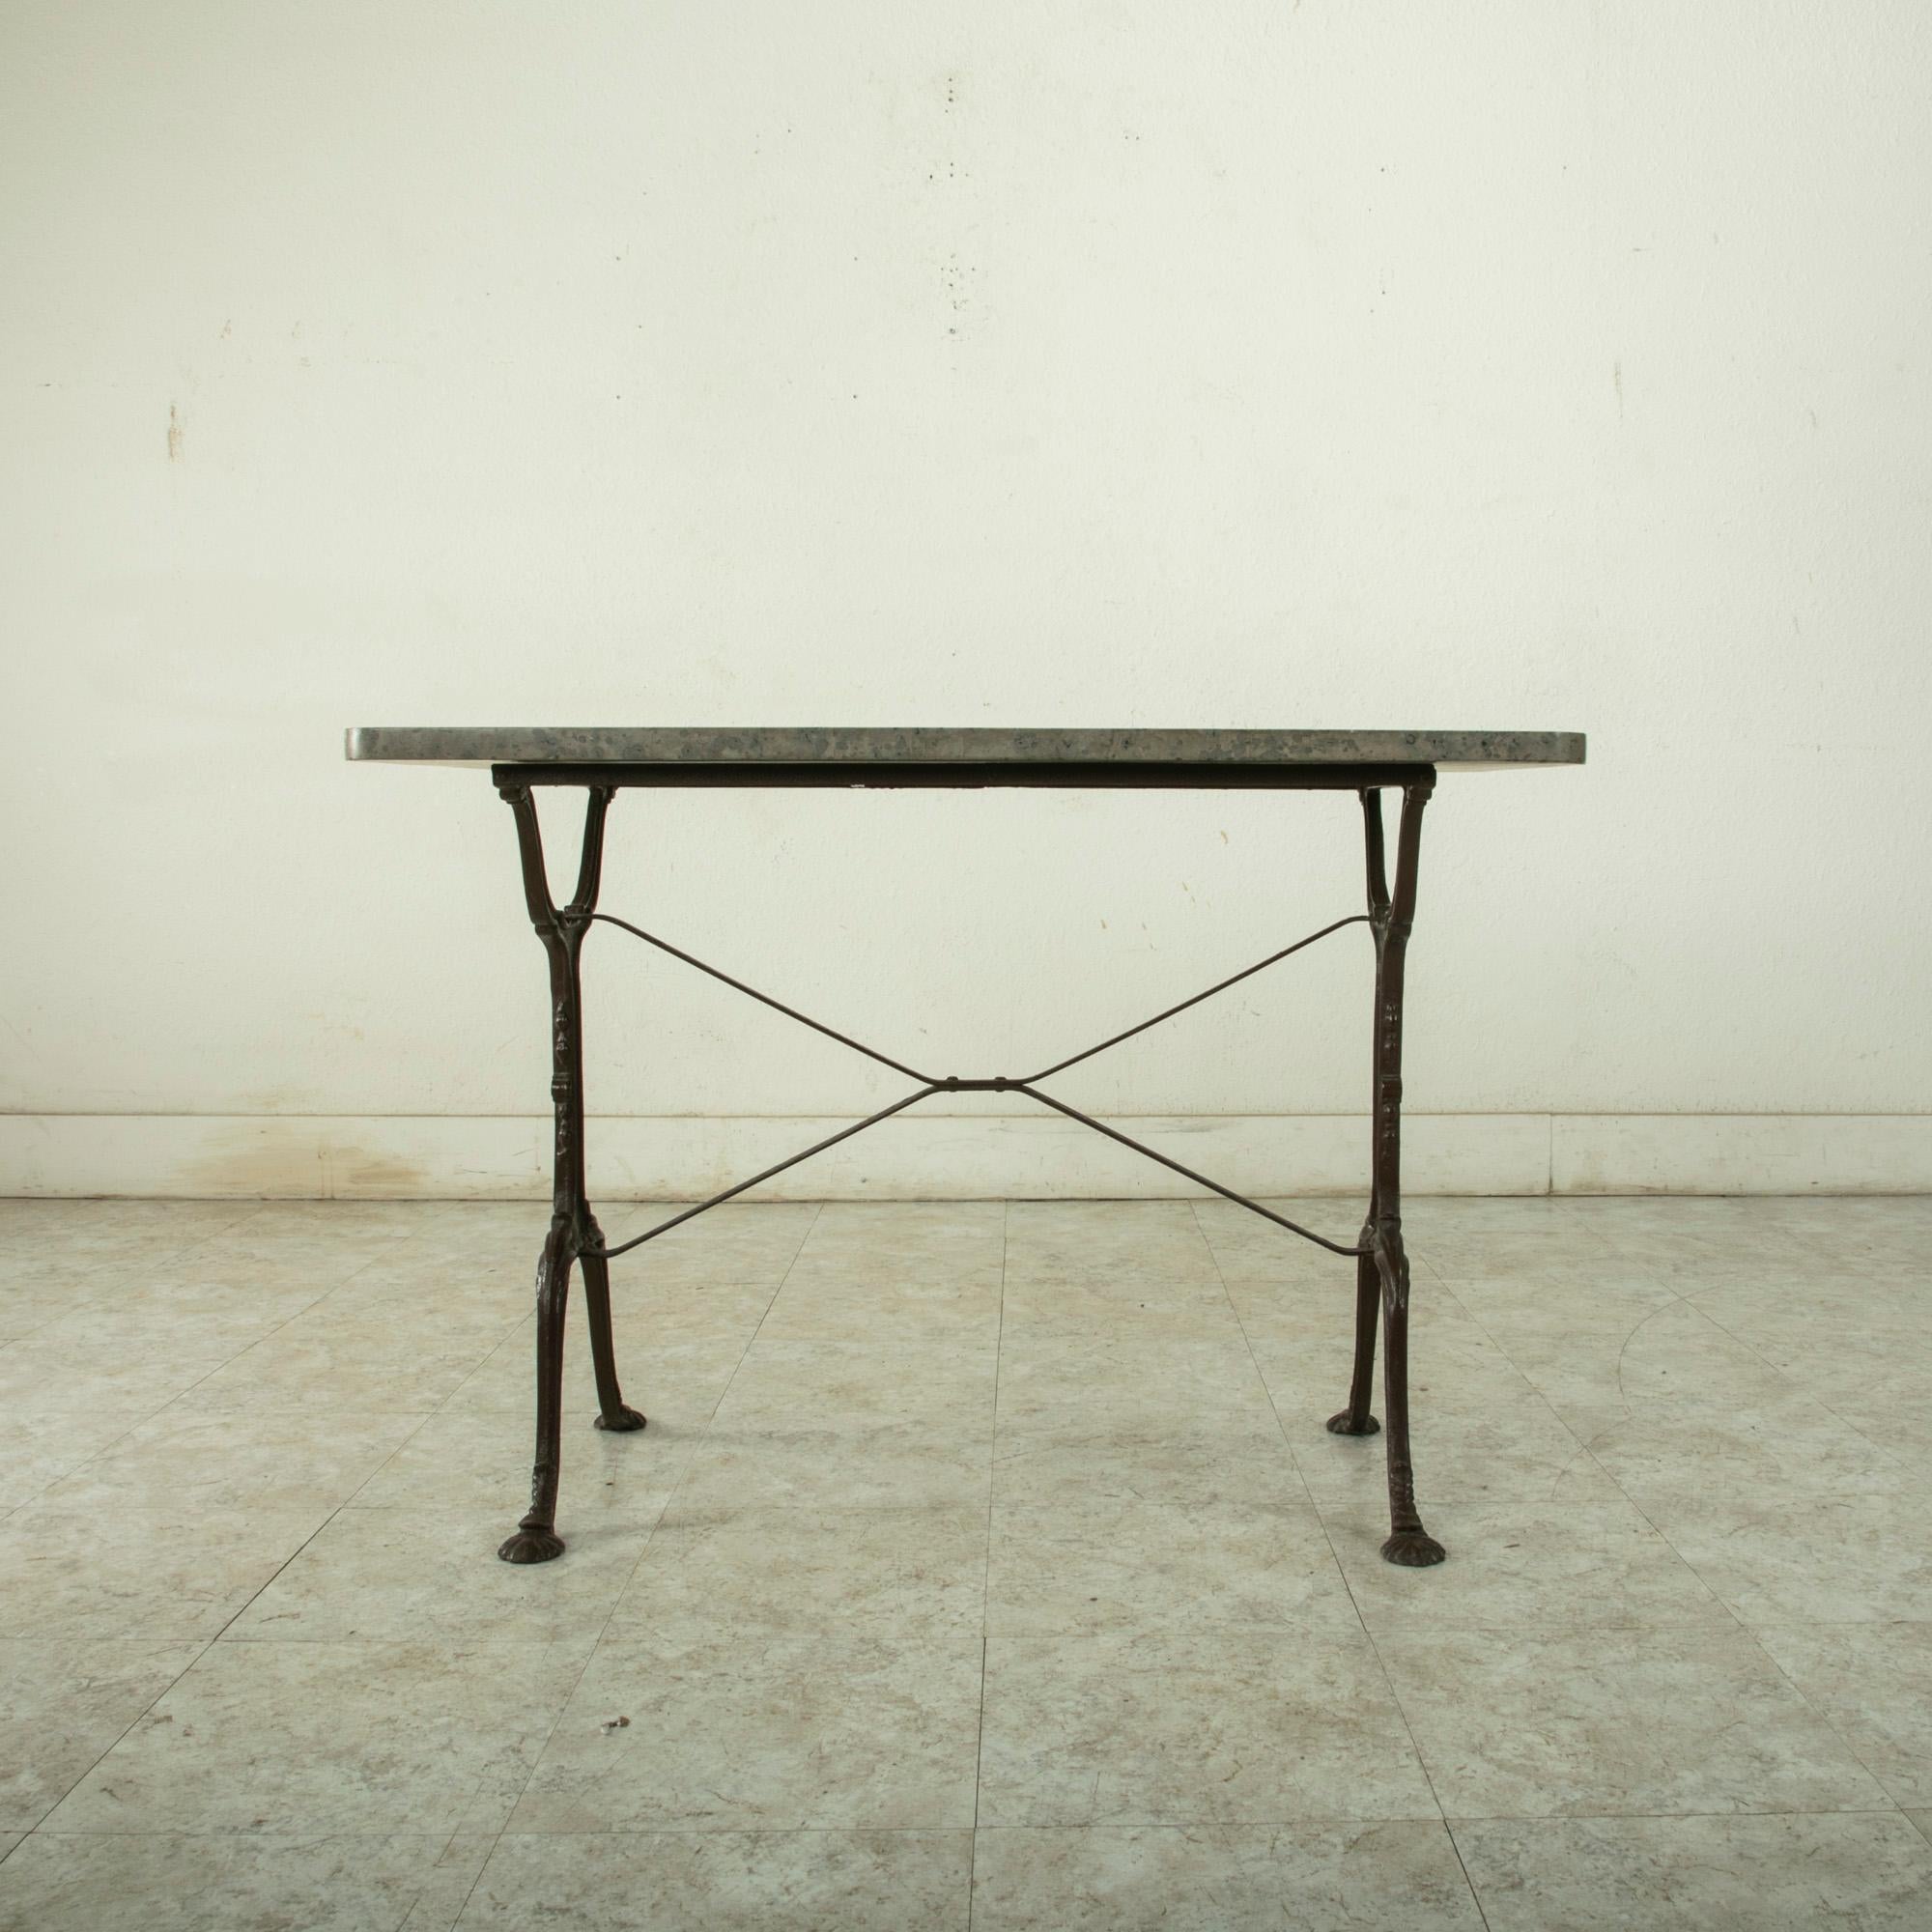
[(982, 1564)]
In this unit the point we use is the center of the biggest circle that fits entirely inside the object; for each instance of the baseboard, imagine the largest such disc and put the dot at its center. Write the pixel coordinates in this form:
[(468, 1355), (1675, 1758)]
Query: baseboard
[(956, 1156)]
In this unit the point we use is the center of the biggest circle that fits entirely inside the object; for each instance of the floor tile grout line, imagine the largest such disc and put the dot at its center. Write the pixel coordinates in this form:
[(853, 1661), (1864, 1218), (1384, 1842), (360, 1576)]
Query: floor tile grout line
[(1463, 1866), (986, 1583), (1334, 1556), (423, 1891)]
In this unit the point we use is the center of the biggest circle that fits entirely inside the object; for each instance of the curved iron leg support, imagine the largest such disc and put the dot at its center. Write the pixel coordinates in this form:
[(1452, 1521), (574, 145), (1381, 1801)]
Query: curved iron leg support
[(536, 1540), (612, 1412), (1355, 1419), (1408, 1543), (572, 1228)]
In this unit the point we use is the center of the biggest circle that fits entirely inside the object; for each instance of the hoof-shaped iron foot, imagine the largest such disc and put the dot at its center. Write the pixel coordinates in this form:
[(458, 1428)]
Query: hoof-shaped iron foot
[(622, 1422), (1413, 1550), (531, 1546), (1346, 1424)]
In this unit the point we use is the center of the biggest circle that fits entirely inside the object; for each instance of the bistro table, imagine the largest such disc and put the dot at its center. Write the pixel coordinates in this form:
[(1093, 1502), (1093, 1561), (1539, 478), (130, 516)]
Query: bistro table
[(602, 762)]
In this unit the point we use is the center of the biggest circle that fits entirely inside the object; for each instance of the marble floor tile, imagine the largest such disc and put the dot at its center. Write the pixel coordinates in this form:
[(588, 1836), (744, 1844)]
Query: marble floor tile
[(1090, 1563), (1518, 1451), (1431, 1217), (815, 1881), (1255, 1255), (1622, 1344), (127, 1882), (110, 1572), (1897, 1414), (1222, 1878), (1844, 1558), (1612, 1722), (669, 1370), (653, 1319), (746, 1243), (1750, 1248), (1525, 1566), (1676, 1232), (63, 1702), (1788, 1447), (913, 1465), (1106, 1243), (29, 1299), (1711, 1874), (904, 1310), (1452, 1364), (771, 1733), (419, 1297), (431, 1576), (1531, 1308), (76, 1367), (271, 1261), (99, 1234), (1837, 1338), (1235, 1457), (759, 1571), (1080, 1441), (349, 1364), (478, 1459), (193, 1458), (930, 1243), (180, 1308), (1880, 1234), (307, 1740), (1046, 1380), (1134, 1307), (947, 1384), (1221, 1727), (1559, 1248), (1873, 1683), (353, 1225), (47, 1436)]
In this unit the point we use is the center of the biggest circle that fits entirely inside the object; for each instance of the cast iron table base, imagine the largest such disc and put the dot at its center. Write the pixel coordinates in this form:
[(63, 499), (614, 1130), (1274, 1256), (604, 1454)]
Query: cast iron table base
[(1381, 1263)]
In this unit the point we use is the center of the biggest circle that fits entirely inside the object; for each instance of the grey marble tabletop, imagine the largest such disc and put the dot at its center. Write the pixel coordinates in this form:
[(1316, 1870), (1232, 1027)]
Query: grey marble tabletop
[(940, 745)]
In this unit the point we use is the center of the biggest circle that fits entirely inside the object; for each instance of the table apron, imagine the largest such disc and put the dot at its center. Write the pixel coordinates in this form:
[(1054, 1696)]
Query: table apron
[(1083, 776)]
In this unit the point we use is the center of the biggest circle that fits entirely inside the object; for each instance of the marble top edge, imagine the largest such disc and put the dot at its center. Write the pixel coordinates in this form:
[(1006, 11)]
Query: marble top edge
[(647, 744)]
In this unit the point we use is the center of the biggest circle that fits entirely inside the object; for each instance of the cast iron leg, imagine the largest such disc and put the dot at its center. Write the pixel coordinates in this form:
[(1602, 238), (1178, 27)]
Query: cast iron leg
[(612, 1412), (1408, 1543), (536, 1540), (1355, 1419), (572, 1229)]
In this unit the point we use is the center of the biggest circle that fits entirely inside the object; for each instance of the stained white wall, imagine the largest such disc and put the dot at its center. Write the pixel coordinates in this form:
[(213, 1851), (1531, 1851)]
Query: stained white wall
[(1489, 364)]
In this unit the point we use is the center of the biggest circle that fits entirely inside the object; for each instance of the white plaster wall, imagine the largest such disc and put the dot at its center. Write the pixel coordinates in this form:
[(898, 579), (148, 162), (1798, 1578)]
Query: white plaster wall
[(1489, 364)]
